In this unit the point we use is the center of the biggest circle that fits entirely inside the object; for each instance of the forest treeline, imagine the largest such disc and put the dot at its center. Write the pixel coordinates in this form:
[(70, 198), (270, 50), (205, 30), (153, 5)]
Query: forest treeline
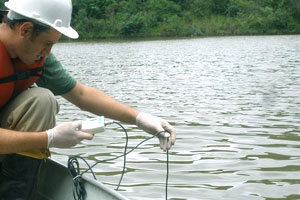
[(95, 19)]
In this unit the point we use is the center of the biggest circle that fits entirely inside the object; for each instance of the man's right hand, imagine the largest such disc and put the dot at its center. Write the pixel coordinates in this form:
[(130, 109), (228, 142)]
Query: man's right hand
[(67, 135)]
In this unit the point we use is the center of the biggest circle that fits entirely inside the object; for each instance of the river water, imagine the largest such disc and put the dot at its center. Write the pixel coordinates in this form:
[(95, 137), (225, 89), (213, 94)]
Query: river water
[(234, 102)]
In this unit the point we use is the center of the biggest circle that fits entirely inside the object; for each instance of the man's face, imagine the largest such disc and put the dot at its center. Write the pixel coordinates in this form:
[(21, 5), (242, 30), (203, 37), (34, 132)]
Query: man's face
[(31, 49)]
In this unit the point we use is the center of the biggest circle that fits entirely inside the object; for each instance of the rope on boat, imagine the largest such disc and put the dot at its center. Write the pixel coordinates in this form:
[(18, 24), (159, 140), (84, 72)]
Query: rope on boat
[(79, 192)]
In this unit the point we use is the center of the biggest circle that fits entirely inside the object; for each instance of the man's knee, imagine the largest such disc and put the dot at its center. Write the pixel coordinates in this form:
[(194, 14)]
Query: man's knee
[(44, 100), (32, 110)]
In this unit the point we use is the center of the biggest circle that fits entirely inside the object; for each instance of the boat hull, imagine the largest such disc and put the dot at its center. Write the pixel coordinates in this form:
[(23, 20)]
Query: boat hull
[(55, 183)]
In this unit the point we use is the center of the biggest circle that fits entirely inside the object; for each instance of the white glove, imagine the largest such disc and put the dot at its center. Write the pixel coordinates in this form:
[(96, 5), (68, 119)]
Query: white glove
[(154, 125), (66, 135)]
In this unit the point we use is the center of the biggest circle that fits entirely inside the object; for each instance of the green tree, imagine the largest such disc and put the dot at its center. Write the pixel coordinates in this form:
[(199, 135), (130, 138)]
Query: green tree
[(132, 26), (219, 7), (130, 18), (2, 7), (201, 8)]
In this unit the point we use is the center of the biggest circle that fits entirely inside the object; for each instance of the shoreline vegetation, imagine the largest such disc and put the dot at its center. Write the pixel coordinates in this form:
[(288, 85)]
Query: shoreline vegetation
[(115, 19)]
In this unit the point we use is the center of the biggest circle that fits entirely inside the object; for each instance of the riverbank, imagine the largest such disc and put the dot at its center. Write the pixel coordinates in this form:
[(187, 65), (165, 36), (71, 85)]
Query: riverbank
[(99, 19), (158, 38), (212, 26), (165, 18)]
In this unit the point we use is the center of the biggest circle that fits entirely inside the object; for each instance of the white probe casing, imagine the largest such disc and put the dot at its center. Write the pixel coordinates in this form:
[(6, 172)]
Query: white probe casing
[(94, 125)]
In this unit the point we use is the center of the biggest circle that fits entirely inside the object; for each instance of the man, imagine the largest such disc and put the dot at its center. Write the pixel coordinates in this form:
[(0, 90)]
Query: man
[(27, 114)]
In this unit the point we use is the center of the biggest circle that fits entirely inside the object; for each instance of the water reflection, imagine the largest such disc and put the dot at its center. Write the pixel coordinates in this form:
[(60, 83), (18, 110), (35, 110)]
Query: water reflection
[(234, 102)]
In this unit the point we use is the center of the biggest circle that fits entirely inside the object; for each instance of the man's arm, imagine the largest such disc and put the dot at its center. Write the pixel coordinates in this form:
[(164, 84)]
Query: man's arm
[(97, 102), (64, 135), (16, 141)]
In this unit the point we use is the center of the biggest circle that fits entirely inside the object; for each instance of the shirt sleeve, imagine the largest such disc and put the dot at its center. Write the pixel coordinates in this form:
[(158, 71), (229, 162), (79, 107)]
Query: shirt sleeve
[(55, 77)]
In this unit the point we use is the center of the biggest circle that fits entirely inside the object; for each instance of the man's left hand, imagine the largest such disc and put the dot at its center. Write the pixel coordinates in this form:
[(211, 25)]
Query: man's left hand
[(154, 125)]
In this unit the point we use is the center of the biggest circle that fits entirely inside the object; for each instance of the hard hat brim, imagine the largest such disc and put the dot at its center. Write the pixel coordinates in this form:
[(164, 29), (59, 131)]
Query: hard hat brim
[(69, 32)]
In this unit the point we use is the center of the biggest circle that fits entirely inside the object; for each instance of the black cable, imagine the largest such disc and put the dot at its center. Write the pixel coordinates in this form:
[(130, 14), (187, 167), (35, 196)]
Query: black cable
[(167, 176), (79, 192), (125, 150)]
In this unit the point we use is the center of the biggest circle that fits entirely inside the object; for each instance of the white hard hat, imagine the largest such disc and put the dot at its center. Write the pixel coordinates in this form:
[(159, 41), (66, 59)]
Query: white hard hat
[(54, 13)]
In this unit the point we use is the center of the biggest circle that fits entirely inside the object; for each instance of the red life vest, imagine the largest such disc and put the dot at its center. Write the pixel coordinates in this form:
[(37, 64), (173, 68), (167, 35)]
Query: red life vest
[(15, 76)]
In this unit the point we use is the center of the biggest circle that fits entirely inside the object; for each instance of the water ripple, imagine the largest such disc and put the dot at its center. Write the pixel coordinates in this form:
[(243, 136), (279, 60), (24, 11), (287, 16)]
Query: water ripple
[(234, 102)]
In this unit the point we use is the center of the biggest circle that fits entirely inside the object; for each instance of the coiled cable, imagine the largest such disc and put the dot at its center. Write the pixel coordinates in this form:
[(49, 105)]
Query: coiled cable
[(79, 191)]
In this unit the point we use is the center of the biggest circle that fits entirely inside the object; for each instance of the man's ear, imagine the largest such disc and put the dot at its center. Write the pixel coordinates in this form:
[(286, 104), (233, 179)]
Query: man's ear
[(26, 29)]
